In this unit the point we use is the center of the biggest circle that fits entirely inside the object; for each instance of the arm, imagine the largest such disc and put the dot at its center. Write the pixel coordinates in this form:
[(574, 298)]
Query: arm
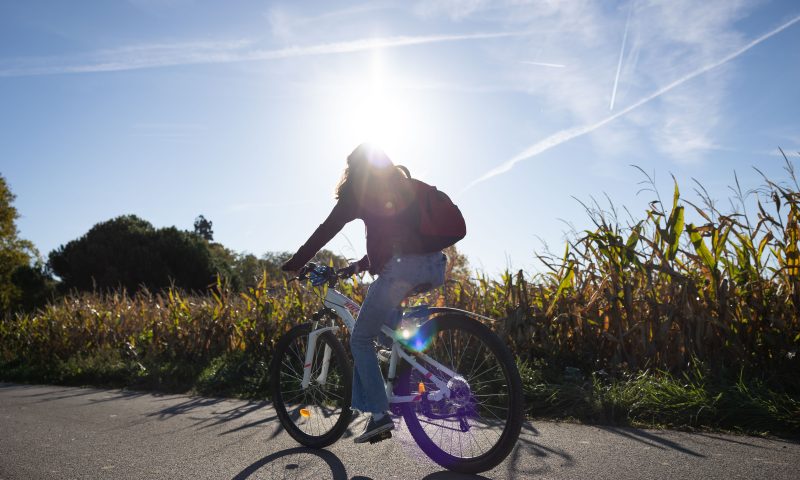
[(342, 213), (363, 264), (354, 267)]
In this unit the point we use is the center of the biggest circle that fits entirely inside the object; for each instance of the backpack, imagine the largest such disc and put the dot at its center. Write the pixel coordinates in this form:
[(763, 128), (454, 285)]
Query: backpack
[(440, 221)]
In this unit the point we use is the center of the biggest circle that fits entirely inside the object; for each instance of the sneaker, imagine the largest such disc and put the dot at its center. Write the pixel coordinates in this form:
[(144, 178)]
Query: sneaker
[(375, 427)]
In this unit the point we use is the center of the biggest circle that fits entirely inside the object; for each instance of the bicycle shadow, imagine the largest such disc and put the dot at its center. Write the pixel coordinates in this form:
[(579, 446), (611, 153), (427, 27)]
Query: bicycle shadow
[(298, 463), (448, 475), (304, 462), (531, 458)]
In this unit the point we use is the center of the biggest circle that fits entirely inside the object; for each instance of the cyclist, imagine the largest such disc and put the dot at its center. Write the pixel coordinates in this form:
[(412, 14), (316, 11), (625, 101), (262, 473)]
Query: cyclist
[(376, 191)]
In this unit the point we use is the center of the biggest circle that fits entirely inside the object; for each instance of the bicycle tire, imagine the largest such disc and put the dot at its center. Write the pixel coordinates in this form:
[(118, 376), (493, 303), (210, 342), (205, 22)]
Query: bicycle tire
[(286, 371), (417, 421)]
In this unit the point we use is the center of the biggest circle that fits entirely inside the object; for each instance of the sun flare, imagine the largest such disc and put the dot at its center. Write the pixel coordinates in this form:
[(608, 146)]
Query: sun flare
[(377, 110)]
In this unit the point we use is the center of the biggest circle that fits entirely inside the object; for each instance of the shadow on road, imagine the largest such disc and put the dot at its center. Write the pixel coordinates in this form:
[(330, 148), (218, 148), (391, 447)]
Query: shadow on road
[(543, 455), (50, 396), (729, 440), (123, 395), (650, 439), (304, 462), (217, 418), (446, 475), (299, 462), (185, 407)]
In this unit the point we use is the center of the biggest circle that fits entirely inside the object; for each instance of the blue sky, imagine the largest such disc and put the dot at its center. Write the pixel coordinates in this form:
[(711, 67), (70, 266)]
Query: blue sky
[(244, 111)]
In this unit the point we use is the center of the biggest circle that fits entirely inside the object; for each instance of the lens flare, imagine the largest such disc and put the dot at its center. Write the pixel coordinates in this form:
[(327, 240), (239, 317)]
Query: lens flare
[(417, 343), (416, 339)]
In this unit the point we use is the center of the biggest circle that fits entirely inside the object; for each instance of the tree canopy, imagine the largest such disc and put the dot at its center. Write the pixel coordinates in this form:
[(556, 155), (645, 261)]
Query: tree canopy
[(15, 253), (129, 252)]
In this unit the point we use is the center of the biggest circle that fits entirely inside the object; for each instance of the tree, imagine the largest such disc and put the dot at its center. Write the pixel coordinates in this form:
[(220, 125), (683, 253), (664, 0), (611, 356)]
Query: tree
[(14, 252), (202, 227), (129, 252), (35, 284)]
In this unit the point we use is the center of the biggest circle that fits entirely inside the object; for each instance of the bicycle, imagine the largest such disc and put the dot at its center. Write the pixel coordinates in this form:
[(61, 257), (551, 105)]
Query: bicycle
[(449, 376)]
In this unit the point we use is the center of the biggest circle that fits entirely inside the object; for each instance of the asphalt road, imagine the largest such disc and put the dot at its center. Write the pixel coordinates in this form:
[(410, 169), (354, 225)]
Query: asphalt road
[(59, 432)]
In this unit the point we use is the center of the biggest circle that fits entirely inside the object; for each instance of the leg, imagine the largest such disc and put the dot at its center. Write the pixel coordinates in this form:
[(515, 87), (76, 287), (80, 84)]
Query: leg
[(384, 295), (397, 279)]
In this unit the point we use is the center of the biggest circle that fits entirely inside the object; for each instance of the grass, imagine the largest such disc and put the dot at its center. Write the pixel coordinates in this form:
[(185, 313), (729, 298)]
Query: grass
[(658, 399)]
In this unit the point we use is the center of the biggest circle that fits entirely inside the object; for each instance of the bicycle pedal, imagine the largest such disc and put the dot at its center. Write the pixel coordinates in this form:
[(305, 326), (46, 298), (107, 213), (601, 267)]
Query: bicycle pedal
[(384, 355), (381, 437)]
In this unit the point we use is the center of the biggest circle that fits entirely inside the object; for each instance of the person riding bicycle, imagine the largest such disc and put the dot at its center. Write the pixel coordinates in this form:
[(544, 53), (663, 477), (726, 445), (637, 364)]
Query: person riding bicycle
[(381, 194)]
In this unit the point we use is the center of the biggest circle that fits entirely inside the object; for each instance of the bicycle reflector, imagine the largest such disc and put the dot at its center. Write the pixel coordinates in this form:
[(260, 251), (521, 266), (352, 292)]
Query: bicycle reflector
[(305, 413), (421, 388)]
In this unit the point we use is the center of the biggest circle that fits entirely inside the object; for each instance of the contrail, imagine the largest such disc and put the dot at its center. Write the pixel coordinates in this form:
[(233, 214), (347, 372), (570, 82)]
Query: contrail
[(568, 134), (204, 53), (542, 64), (621, 56)]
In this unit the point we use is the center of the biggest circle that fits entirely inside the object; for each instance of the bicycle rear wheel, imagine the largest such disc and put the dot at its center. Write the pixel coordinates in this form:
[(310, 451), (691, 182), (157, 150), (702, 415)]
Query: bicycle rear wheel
[(476, 428), (318, 415)]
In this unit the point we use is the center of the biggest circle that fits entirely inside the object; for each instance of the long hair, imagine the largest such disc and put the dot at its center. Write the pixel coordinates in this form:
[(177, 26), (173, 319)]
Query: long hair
[(369, 172)]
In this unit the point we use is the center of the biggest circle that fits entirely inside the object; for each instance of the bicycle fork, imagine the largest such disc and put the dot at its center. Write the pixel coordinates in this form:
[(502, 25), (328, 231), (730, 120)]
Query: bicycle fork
[(310, 351)]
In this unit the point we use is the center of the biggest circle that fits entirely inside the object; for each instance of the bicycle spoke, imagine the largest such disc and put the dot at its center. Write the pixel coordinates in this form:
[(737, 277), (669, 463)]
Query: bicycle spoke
[(461, 357), (299, 395), (472, 368), (473, 383), (283, 392), (486, 371), (299, 378)]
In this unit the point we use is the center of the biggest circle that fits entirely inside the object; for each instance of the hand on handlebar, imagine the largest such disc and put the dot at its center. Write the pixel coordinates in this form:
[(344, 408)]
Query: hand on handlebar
[(320, 274), (302, 274), (348, 271)]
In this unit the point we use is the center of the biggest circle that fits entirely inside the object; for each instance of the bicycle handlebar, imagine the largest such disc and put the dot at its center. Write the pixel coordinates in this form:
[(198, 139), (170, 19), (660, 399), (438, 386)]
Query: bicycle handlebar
[(319, 274)]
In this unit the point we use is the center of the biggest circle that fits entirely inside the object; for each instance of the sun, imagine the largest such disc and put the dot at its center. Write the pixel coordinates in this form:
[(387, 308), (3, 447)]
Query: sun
[(378, 110)]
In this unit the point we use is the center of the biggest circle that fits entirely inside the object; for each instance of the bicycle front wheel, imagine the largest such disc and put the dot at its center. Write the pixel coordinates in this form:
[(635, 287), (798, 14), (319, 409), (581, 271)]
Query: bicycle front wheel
[(317, 415), (477, 426)]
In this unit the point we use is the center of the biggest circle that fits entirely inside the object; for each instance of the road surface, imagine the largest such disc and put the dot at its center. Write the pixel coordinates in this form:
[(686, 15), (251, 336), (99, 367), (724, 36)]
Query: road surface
[(60, 432)]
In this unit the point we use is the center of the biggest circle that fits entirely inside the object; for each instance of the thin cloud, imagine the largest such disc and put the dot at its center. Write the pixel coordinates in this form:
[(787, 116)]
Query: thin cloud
[(543, 64), (132, 58), (285, 24), (244, 207), (571, 133)]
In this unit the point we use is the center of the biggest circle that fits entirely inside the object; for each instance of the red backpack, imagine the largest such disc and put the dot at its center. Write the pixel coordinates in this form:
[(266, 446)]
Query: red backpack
[(440, 221)]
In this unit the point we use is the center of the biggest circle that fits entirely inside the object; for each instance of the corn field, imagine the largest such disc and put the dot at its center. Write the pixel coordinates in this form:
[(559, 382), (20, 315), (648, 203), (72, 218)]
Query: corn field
[(662, 293), (657, 293)]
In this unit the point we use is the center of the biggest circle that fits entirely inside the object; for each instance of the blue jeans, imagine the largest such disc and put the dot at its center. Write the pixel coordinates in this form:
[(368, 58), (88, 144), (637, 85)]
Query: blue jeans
[(397, 279)]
